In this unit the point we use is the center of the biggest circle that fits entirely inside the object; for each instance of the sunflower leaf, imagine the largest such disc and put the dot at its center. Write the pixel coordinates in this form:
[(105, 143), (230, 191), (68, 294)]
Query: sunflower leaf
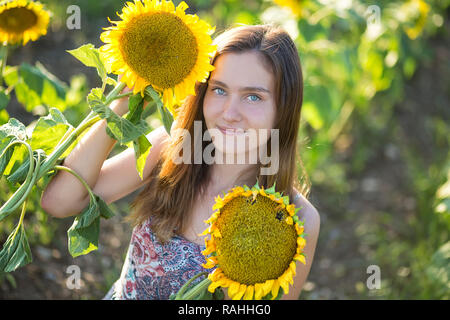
[(165, 114), (16, 251), (36, 86), (135, 106), (90, 57), (84, 232), (4, 99), (119, 128), (141, 150), (10, 131), (49, 130), (21, 173), (271, 189)]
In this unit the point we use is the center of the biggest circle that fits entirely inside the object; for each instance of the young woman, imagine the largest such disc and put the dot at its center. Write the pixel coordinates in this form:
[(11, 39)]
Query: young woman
[(256, 88)]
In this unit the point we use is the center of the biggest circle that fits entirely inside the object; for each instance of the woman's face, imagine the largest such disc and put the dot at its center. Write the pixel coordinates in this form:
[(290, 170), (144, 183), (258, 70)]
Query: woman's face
[(239, 103)]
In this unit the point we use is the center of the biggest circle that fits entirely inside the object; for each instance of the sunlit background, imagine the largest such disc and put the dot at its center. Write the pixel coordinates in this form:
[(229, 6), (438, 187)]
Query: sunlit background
[(374, 140)]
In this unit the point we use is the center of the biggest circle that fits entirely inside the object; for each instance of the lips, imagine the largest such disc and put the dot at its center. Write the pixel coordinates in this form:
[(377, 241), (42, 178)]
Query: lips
[(231, 131)]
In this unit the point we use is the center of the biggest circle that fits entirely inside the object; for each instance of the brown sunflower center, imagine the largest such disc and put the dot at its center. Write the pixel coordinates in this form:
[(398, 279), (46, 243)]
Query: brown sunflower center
[(256, 244), (17, 20), (160, 48)]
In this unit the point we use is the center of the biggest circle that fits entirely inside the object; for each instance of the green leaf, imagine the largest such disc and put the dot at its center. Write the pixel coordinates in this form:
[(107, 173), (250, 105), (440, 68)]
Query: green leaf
[(16, 251), (10, 131), (141, 150), (218, 294), (4, 99), (166, 116), (21, 173), (120, 128), (105, 210), (269, 295), (83, 240), (90, 56), (438, 270), (49, 130), (36, 86), (83, 234), (95, 97), (11, 75), (4, 116), (271, 189), (135, 106)]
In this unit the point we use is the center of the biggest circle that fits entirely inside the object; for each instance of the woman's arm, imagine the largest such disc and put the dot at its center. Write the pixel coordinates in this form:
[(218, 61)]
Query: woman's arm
[(312, 226), (112, 179)]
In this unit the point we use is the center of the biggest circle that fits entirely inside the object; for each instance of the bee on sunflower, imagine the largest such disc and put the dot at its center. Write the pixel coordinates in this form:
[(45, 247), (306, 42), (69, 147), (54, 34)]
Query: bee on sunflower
[(157, 44), (22, 21), (255, 240)]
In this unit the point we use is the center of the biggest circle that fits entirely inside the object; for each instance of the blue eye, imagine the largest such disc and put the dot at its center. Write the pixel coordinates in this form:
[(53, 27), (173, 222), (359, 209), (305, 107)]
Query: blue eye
[(253, 98), (219, 91)]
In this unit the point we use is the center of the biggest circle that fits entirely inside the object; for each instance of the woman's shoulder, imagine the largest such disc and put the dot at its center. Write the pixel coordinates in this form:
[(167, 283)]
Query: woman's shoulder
[(307, 212)]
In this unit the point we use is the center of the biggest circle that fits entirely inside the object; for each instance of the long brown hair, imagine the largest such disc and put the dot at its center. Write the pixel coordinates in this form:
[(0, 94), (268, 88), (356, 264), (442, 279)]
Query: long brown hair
[(175, 187)]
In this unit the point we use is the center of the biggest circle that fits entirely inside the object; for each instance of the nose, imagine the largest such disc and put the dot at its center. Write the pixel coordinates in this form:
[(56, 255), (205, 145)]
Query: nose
[(231, 111)]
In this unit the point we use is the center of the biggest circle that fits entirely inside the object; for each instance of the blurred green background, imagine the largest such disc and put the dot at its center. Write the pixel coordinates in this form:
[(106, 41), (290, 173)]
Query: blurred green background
[(374, 140)]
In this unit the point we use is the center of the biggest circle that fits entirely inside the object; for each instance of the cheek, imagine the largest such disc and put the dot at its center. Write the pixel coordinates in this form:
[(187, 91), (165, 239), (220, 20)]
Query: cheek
[(211, 109)]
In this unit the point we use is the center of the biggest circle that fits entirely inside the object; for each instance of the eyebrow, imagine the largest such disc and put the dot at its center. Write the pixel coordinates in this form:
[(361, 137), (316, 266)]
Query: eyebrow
[(260, 89)]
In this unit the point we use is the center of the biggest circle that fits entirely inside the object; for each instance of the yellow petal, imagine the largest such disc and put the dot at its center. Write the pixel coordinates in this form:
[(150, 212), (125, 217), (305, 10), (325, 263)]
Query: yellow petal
[(284, 284), (301, 243), (259, 291), (300, 258), (216, 274), (249, 293), (275, 289), (233, 289), (267, 286), (220, 283), (240, 293)]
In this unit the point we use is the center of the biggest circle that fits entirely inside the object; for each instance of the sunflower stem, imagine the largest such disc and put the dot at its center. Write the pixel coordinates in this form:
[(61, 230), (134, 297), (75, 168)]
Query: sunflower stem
[(4, 57), (123, 95), (196, 290), (90, 119), (85, 184), (10, 205)]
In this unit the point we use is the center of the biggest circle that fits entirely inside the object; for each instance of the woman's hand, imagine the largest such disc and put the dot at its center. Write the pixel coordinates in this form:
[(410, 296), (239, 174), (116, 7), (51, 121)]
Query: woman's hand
[(120, 106)]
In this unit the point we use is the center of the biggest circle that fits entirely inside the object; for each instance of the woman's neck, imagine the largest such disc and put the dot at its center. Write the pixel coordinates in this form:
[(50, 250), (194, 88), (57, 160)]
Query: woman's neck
[(225, 176)]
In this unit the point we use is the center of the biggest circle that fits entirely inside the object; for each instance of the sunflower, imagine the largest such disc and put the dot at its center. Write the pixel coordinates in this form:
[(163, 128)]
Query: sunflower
[(159, 45), (293, 5), (255, 240), (22, 21)]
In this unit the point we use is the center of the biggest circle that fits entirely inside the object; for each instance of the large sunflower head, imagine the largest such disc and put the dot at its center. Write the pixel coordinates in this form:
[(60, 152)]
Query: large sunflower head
[(157, 44), (22, 21), (255, 240)]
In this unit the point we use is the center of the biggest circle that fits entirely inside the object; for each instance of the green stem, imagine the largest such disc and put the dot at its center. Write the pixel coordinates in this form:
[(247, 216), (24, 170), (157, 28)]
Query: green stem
[(123, 95), (4, 55), (22, 215), (34, 175), (85, 184), (10, 205), (91, 119), (194, 292), (30, 185)]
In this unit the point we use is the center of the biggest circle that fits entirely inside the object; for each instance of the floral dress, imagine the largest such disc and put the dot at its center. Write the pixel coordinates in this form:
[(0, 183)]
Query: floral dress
[(153, 270)]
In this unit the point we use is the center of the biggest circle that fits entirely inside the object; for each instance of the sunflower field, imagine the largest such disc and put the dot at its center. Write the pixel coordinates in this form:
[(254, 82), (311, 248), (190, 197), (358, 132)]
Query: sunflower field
[(374, 136)]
